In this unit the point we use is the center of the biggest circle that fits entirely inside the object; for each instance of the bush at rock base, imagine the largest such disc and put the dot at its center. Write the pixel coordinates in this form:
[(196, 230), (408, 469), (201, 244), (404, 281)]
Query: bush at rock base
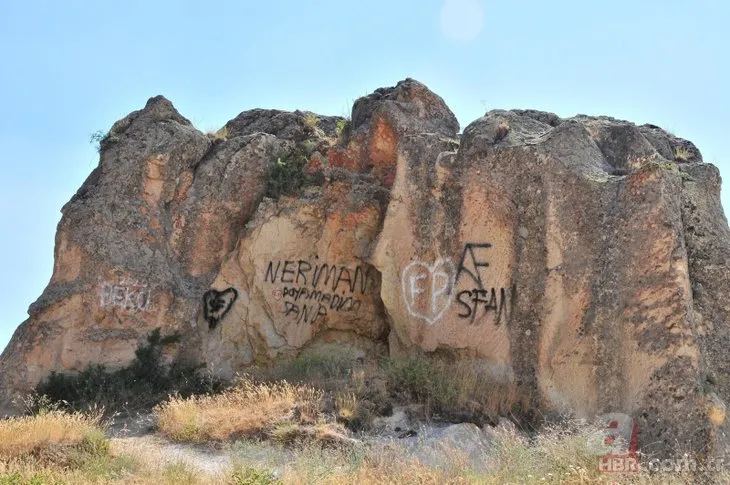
[(142, 384)]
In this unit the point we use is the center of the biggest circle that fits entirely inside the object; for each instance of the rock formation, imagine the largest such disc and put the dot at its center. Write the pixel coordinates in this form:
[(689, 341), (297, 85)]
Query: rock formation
[(584, 260)]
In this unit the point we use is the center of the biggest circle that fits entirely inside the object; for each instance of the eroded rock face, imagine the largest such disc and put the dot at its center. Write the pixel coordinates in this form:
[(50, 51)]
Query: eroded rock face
[(301, 271), (583, 260), (557, 252)]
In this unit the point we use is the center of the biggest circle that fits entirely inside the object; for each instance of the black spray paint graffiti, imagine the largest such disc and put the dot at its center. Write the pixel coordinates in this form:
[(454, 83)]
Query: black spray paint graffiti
[(470, 249), (472, 300), (216, 304), (315, 304), (316, 288), (325, 276)]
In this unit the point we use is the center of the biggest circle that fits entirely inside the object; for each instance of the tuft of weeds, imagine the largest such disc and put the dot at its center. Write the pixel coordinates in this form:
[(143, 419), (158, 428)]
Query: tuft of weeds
[(681, 154), (311, 120), (502, 131), (219, 135), (251, 475), (346, 405), (180, 473)]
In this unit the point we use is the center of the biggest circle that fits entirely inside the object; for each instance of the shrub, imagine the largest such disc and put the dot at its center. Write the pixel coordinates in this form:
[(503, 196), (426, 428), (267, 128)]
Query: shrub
[(100, 138), (465, 390), (287, 174), (502, 131), (142, 384)]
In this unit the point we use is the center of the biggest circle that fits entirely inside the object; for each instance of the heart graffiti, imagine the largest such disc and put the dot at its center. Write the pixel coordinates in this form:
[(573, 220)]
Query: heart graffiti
[(216, 304), (427, 289)]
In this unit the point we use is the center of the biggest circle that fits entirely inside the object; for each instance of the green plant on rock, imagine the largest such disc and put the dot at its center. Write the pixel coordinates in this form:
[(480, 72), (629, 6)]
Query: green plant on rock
[(99, 138), (341, 127), (288, 175)]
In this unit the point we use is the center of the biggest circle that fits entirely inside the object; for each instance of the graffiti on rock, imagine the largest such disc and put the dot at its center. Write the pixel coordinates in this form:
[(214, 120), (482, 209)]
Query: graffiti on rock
[(427, 289), (130, 295), (312, 290), (216, 305), (478, 299), (475, 252)]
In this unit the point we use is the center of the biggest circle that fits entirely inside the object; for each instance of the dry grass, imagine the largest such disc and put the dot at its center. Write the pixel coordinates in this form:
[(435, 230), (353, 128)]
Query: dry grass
[(22, 436), (219, 135), (248, 409), (311, 120), (70, 448), (556, 456), (55, 447), (111, 469), (682, 154), (294, 434), (502, 131), (390, 466)]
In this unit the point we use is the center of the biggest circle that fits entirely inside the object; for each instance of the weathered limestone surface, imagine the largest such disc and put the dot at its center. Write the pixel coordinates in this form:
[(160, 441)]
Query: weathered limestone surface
[(584, 260)]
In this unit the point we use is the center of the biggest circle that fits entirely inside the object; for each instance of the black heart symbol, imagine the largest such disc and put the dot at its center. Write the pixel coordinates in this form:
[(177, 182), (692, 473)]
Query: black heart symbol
[(216, 304)]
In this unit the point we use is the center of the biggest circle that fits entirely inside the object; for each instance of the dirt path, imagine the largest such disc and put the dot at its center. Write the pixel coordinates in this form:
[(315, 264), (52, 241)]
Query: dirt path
[(206, 459), (135, 435)]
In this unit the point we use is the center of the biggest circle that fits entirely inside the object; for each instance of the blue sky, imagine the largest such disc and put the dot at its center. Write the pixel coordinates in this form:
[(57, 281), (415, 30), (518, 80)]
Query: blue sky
[(71, 68)]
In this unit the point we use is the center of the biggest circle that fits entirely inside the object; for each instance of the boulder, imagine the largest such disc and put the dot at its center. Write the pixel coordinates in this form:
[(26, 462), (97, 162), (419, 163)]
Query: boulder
[(583, 260)]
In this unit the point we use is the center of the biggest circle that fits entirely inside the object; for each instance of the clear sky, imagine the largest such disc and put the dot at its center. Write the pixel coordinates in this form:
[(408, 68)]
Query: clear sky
[(68, 69)]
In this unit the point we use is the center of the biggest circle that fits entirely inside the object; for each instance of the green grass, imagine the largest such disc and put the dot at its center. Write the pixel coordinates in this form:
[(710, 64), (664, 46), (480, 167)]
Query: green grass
[(251, 475)]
